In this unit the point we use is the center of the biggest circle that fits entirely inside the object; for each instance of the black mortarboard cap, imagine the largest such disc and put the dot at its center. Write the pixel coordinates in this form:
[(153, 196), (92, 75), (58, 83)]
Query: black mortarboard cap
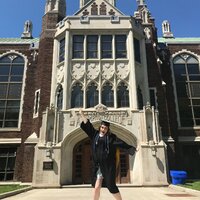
[(105, 123)]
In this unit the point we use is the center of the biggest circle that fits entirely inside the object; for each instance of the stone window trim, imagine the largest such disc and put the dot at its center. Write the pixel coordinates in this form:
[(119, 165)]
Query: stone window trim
[(80, 47), (123, 95), (26, 63), (185, 56)]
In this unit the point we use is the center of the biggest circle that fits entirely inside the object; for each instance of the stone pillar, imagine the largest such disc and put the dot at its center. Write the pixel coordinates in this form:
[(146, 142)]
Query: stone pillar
[(153, 150)]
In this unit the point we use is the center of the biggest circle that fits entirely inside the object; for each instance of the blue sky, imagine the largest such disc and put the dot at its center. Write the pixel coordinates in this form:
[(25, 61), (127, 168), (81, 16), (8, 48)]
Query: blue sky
[(183, 15)]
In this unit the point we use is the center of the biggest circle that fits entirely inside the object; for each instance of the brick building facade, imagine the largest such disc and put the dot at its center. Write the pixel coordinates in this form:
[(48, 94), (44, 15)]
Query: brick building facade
[(116, 68)]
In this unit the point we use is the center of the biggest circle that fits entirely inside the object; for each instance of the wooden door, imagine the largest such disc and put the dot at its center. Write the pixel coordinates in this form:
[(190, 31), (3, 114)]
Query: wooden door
[(82, 164), (122, 170)]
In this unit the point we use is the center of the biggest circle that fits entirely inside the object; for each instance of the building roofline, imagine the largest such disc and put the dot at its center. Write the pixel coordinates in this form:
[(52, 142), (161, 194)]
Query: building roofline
[(180, 40), (18, 41)]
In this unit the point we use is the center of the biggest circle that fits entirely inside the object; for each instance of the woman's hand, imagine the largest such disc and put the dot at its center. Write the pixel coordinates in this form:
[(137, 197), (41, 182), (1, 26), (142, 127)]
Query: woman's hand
[(83, 117)]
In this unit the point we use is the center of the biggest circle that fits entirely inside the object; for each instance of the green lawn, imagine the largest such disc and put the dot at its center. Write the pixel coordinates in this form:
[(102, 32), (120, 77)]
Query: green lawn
[(9, 188), (192, 184)]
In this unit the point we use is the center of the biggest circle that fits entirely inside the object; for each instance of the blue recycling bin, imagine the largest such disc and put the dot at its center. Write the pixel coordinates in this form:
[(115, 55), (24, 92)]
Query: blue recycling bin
[(178, 177)]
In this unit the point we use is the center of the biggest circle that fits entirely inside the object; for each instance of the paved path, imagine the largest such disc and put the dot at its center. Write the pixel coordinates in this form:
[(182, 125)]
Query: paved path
[(128, 193)]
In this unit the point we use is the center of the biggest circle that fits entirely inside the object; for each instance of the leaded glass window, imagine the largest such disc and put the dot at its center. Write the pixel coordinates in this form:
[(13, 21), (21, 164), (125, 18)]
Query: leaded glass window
[(78, 49), (108, 95), (77, 96), (92, 46), (120, 46), (122, 95), (11, 78), (7, 163), (187, 81), (92, 95), (106, 46)]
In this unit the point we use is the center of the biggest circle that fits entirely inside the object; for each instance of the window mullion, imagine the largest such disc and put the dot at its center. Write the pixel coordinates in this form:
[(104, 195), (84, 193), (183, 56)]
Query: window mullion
[(190, 94)]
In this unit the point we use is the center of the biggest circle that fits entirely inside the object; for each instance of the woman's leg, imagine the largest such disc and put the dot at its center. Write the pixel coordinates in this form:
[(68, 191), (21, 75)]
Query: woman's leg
[(97, 189), (117, 196)]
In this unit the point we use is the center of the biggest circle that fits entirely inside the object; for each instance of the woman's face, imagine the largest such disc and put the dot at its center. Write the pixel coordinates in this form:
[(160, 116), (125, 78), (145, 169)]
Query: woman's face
[(103, 129)]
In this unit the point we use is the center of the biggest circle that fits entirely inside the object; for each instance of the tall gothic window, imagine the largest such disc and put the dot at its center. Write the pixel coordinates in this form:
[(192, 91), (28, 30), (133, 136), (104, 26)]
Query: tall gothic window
[(11, 78), (92, 95), (108, 95), (187, 80), (122, 95), (59, 97), (77, 96)]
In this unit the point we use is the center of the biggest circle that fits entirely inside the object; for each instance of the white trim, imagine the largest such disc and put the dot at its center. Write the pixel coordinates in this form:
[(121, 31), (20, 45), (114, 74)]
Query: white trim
[(168, 139), (10, 129), (10, 140), (26, 61), (183, 51), (32, 139)]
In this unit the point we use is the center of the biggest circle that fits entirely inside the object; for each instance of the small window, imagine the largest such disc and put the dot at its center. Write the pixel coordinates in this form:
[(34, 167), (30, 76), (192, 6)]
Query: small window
[(120, 46), (137, 50), (92, 46), (36, 103), (7, 166), (106, 46), (62, 50), (78, 41)]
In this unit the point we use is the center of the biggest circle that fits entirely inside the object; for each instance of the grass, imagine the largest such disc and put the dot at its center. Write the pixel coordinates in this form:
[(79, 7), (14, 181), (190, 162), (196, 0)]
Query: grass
[(192, 184), (9, 188)]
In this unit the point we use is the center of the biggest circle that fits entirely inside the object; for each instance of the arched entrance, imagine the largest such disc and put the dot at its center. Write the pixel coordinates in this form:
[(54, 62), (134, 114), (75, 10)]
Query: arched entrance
[(82, 164)]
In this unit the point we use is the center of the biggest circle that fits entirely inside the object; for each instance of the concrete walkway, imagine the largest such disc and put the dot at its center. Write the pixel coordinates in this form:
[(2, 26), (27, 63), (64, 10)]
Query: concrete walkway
[(128, 193)]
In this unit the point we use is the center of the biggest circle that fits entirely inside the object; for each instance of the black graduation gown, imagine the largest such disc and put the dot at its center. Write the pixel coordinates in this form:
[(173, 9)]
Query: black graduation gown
[(104, 156)]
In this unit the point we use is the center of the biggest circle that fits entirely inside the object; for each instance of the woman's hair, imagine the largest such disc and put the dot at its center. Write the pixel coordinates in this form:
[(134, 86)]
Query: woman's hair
[(105, 123)]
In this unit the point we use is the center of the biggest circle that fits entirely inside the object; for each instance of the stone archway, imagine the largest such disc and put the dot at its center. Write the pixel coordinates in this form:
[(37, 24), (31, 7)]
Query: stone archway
[(82, 164), (74, 169)]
